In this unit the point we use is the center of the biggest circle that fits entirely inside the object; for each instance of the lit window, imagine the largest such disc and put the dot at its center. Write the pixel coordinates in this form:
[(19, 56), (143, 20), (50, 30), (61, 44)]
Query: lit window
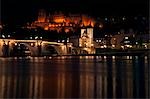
[(136, 42), (126, 37), (126, 41), (145, 46), (32, 44), (123, 18), (102, 46), (15, 44), (113, 45), (127, 45), (122, 47), (100, 26)]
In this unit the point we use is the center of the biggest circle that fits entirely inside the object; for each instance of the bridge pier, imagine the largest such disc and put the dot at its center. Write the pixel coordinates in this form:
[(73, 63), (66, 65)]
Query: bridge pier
[(35, 51), (4, 48)]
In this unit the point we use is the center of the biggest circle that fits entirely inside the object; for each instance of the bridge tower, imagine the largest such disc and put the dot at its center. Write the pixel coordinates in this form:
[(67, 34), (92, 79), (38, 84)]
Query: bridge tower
[(86, 40)]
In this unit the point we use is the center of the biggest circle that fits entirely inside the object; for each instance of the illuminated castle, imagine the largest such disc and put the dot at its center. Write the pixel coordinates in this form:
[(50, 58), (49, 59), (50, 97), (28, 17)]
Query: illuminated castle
[(58, 20)]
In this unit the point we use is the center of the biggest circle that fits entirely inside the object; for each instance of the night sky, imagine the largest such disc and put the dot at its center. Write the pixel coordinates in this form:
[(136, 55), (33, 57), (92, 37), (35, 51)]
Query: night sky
[(21, 11)]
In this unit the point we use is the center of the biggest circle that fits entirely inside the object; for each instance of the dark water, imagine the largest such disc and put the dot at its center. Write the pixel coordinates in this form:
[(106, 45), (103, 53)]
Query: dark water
[(74, 77)]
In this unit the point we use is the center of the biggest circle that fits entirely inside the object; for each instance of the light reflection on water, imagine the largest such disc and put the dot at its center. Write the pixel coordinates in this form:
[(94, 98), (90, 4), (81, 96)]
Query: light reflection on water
[(74, 77)]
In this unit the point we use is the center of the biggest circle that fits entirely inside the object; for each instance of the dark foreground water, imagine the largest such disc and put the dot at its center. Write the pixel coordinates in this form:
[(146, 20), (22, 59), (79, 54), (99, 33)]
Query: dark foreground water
[(74, 77)]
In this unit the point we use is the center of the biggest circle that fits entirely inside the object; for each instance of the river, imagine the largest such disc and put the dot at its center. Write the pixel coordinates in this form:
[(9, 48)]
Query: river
[(74, 77)]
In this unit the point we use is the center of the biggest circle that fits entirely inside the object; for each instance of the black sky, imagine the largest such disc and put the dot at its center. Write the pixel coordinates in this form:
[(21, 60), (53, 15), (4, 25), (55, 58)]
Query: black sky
[(21, 11)]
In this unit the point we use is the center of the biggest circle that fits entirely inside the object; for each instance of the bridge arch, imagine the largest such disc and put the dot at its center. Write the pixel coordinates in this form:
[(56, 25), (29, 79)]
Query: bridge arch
[(78, 51), (60, 50), (84, 52), (33, 50)]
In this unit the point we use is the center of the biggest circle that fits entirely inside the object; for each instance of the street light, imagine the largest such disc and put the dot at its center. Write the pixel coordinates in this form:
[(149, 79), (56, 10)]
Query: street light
[(36, 37), (3, 36)]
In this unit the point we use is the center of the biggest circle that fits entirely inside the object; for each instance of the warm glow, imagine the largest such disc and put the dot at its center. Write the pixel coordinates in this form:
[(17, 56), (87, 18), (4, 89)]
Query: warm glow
[(114, 38), (130, 46), (46, 28), (50, 25), (113, 45), (122, 47), (59, 20), (41, 20), (0, 26), (1, 42), (145, 46), (101, 26), (36, 44), (80, 45), (46, 42), (66, 30), (105, 46), (27, 40), (15, 44), (32, 44)]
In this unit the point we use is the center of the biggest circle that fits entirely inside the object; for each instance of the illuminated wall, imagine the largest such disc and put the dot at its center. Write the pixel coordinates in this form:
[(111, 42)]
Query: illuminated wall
[(90, 32), (90, 35), (86, 39), (82, 31), (59, 20)]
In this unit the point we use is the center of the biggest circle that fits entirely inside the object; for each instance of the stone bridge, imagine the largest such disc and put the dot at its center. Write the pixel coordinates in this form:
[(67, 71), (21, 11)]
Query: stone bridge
[(36, 47)]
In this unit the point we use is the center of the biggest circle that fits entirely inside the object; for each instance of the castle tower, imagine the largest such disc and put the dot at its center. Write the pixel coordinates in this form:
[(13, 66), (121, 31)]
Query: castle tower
[(42, 16)]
